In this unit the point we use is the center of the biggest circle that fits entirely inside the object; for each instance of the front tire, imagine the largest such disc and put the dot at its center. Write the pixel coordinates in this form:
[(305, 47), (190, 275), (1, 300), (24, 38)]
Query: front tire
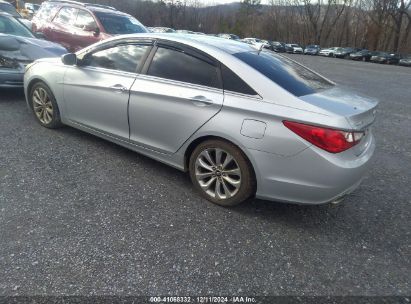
[(44, 106), (221, 173)]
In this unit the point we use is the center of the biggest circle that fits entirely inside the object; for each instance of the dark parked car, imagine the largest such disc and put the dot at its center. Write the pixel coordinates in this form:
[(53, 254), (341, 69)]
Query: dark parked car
[(364, 55), (312, 49), (345, 52), (294, 48), (275, 46), (18, 48), (382, 57), (405, 61), (287, 48), (76, 25)]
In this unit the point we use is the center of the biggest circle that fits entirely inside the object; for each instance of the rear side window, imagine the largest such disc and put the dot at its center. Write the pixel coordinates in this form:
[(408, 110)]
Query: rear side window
[(288, 74), (233, 83), (67, 15), (121, 58), (176, 65)]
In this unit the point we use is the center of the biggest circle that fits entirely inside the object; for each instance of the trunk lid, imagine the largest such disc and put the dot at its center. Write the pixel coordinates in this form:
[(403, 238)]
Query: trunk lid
[(358, 110)]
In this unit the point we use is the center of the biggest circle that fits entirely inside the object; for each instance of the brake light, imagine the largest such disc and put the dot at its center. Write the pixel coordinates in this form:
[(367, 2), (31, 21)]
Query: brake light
[(331, 140)]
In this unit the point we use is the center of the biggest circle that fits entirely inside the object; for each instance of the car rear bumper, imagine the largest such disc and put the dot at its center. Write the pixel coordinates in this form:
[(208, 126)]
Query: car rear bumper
[(11, 79), (312, 176)]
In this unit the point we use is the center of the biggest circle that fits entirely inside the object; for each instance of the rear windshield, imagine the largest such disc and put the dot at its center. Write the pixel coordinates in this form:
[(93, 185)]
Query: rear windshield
[(288, 74), (120, 24)]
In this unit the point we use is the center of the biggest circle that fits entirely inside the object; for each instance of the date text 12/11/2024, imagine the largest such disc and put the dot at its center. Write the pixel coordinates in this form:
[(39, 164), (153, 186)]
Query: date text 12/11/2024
[(209, 299)]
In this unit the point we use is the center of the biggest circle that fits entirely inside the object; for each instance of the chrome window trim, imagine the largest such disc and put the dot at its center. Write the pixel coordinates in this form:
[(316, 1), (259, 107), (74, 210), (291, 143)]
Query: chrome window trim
[(179, 83), (108, 71), (237, 94)]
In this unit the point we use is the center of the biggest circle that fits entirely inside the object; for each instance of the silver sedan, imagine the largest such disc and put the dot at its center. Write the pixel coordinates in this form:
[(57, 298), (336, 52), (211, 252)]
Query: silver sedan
[(243, 122)]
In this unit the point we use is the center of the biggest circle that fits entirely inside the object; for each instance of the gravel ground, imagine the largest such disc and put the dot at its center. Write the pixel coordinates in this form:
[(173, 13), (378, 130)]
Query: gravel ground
[(82, 216)]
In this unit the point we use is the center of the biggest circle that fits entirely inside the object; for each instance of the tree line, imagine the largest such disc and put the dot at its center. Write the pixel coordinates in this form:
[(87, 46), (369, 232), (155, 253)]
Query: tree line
[(373, 24)]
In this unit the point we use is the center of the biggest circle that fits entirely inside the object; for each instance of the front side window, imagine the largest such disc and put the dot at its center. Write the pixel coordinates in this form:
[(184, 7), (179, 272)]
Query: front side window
[(120, 58), (67, 15), (176, 65), (115, 24), (288, 74), (85, 21)]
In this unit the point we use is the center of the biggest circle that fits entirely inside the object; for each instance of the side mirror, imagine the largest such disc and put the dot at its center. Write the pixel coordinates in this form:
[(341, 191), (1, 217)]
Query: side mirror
[(69, 59), (40, 35), (97, 32)]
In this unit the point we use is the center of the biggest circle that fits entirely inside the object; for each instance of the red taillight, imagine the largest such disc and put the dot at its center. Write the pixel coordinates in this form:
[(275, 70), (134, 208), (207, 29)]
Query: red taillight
[(331, 140)]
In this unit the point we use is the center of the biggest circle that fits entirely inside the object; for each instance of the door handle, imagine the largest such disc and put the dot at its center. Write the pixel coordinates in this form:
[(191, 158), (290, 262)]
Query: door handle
[(201, 100), (119, 88)]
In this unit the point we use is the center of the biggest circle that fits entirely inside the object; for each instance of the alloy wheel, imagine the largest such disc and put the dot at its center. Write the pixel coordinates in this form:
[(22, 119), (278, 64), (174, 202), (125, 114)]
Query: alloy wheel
[(218, 173), (42, 106)]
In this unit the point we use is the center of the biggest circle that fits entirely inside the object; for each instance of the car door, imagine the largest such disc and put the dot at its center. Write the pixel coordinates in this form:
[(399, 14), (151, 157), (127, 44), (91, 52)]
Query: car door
[(96, 91), (178, 93)]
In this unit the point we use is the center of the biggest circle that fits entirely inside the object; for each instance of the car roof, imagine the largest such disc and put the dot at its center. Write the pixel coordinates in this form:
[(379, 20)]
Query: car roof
[(90, 6), (202, 42)]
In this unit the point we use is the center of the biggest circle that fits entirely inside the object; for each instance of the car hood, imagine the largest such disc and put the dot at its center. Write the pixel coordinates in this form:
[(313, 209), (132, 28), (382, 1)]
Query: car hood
[(357, 109), (33, 48)]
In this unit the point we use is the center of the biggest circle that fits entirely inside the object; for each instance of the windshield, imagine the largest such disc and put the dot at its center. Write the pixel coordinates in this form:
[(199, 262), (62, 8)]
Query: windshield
[(120, 24), (8, 8), (11, 26), (288, 74)]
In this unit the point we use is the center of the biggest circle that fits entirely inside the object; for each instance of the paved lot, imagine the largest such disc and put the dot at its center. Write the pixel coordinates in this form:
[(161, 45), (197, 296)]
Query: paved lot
[(79, 215)]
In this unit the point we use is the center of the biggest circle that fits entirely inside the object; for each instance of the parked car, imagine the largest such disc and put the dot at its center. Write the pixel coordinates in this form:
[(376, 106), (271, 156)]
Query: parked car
[(242, 122), (312, 49), (364, 55), (383, 57), (185, 32), (328, 52), (345, 52), (18, 48), (288, 49), (76, 25), (294, 48), (275, 46), (405, 61), (32, 8), (10, 9), (228, 36), (161, 29), (256, 41)]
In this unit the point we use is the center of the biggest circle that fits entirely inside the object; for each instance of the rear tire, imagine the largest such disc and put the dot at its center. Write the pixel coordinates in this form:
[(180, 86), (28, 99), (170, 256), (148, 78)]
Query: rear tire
[(44, 106), (221, 173)]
